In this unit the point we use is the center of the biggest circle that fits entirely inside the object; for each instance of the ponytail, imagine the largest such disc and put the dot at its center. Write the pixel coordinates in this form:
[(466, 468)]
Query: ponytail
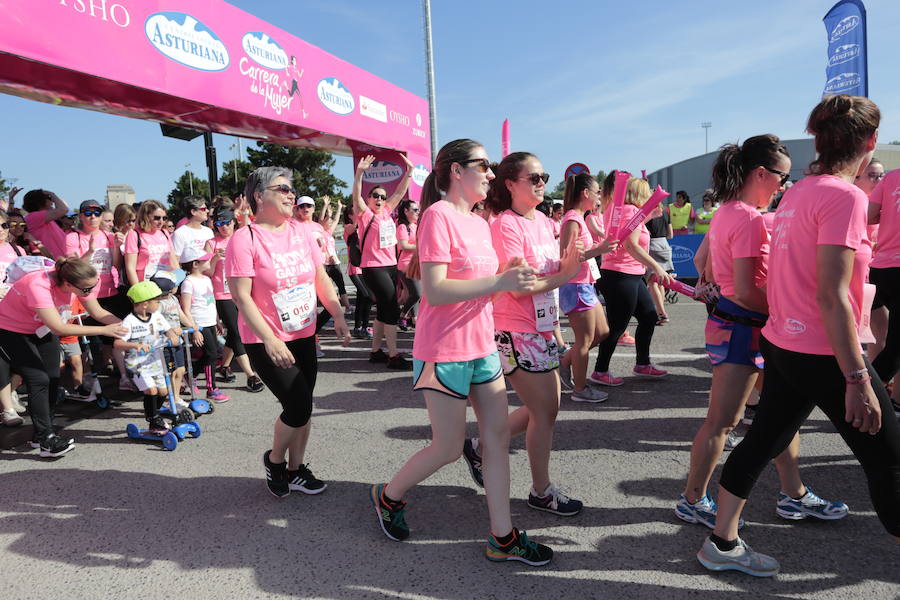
[(842, 125), (734, 163), (575, 184), (73, 270)]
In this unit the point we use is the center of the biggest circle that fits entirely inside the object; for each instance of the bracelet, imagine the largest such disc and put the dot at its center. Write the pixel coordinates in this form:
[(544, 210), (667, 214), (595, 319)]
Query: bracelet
[(859, 381), (856, 376)]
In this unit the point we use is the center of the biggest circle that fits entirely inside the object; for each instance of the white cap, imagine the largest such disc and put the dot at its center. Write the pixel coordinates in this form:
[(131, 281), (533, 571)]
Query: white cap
[(192, 253), (304, 200)]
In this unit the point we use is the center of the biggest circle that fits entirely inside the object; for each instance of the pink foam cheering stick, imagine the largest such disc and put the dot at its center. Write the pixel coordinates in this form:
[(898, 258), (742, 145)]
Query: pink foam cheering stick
[(640, 216), (504, 138), (622, 178), (676, 286), (643, 173)]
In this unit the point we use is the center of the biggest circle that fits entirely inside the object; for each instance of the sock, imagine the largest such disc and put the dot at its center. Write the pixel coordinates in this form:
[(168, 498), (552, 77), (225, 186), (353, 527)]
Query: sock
[(507, 539), (207, 370), (722, 544), (800, 497), (149, 406), (476, 445), (391, 503), (160, 401)]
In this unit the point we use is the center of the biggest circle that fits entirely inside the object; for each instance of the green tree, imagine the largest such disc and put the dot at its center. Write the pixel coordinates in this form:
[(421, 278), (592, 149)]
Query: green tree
[(312, 168), (600, 176), (5, 185), (559, 191), (231, 185), (183, 187)]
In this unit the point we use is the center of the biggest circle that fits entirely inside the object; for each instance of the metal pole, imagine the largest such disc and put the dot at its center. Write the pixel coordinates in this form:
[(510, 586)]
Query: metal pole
[(706, 125), (429, 77), (190, 177)]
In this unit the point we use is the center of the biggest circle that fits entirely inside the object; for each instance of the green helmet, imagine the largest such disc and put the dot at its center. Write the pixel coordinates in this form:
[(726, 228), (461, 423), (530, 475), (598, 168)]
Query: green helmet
[(143, 291)]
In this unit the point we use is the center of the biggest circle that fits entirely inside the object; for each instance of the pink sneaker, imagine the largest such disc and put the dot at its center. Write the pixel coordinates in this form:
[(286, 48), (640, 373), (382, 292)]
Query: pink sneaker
[(649, 371), (626, 339), (216, 395), (606, 379)]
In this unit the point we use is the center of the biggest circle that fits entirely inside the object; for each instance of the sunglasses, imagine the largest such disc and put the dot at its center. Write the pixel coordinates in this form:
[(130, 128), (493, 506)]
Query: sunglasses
[(203, 208), (131, 220), (223, 223), (784, 176), (414, 209), (875, 176), (283, 188), (17, 223), (84, 290), (378, 196), (536, 178), (4, 225), (92, 212), (482, 164), (156, 218)]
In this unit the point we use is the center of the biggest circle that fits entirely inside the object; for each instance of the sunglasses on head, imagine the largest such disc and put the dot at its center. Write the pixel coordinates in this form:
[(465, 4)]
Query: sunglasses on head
[(536, 178), (482, 164), (378, 196), (92, 212), (283, 188), (784, 176)]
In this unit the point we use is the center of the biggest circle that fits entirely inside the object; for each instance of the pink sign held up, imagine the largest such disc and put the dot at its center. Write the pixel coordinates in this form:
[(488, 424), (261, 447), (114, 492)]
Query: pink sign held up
[(640, 216), (622, 178)]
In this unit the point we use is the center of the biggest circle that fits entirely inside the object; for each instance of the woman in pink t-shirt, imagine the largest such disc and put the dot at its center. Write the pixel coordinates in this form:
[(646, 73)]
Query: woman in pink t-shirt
[(275, 274), (817, 269), (8, 253), (867, 181), (147, 246), (407, 222), (744, 179), (44, 208), (34, 312), (329, 217), (454, 354), (362, 305), (377, 234)]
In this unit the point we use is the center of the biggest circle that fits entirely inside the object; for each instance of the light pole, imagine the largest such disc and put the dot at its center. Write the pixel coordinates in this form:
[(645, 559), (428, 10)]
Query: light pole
[(706, 125), (236, 157), (190, 177), (429, 77)]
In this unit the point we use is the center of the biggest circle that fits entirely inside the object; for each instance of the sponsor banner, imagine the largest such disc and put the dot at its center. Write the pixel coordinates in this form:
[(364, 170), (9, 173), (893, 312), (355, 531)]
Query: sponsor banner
[(372, 109), (388, 170), (684, 247), (846, 67)]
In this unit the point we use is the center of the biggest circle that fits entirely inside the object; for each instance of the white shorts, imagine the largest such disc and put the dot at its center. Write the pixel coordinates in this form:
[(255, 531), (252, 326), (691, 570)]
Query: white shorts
[(145, 380)]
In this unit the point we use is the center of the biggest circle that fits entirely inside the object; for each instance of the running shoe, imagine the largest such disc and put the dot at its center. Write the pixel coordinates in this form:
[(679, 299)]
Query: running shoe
[(749, 414), (226, 375), (158, 426), (390, 516), (304, 481), (649, 371), (276, 476), (626, 339), (379, 356), (126, 385), (520, 548), (356, 332), (702, 511), (742, 559), (662, 319), (732, 440), (809, 505), (589, 394), (216, 395), (565, 377), (10, 418), (554, 501), (474, 462), (53, 445), (562, 348), (894, 402), (319, 352), (403, 325), (399, 363), (17, 406), (80, 393), (255, 384), (606, 378)]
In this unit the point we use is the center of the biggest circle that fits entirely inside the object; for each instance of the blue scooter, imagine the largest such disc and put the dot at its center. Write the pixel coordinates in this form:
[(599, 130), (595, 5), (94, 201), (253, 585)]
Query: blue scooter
[(96, 395), (198, 405)]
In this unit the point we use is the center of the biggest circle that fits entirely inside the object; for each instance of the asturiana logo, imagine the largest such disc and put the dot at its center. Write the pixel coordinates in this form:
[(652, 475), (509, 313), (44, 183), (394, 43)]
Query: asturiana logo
[(335, 97), (794, 326), (844, 26), (383, 171), (681, 253), (843, 54), (264, 51), (186, 40), (843, 83), (419, 175)]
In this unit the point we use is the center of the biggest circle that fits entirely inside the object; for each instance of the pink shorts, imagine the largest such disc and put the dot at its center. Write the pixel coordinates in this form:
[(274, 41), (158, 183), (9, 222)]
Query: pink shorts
[(531, 352)]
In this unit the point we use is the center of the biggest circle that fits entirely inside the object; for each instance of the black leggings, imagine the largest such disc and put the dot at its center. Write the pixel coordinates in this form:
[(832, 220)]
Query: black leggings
[(382, 281), (334, 271), (795, 383), (887, 281), (210, 347), (626, 295), (364, 300), (37, 361), (292, 386), (228, 312), (415, 293)]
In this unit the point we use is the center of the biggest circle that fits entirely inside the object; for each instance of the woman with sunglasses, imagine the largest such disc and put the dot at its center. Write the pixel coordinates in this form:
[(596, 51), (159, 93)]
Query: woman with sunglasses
[(407, 222), (364, 298), (276, 276), (329, 217), (454, 352), (817, 269), (147, 246), (8, 253), (44, 208), (867, 182), (33, 314), (378, 243), (525, 320), (194, 233)]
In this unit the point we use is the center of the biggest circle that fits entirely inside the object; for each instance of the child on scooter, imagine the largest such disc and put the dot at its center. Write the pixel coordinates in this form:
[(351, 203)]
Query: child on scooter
[(169, 307)]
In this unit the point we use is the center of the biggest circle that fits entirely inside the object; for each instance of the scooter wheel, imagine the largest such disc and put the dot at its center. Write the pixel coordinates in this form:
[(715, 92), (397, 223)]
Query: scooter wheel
[(102, 402), (133, 431), (170, 441), (195, 431)]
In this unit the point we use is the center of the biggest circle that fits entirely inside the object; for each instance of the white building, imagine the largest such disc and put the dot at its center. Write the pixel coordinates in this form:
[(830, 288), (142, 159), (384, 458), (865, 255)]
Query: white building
[(119, 194)]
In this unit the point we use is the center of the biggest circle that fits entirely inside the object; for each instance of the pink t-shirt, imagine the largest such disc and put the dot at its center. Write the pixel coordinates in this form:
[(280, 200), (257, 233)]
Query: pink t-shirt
[(278, 261), (557, 227), (598, 223), (219, 281), (584, 274), (34, 290), (154, 251), (621, 260), (463, 330), (405, 233), (78, 242), (737, 230), (373, 255), (887, 195), (351, 270), (514, 236), (49, 233), (330, 252), (817, 210), (7, 255)]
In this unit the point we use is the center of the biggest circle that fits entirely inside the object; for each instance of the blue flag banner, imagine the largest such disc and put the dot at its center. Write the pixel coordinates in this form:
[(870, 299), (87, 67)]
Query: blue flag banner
[(846, 71)]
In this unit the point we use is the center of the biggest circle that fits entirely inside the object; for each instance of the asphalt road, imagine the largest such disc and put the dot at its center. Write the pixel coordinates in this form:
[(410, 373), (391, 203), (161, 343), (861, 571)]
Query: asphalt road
[(118, 518)]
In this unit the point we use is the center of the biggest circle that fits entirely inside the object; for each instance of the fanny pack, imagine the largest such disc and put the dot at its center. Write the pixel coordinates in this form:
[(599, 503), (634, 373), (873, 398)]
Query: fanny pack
[(749, 321)]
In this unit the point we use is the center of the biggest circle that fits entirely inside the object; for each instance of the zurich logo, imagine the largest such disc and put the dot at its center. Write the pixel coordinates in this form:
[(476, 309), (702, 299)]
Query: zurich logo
[(335, 97), (794, 326), (681, 254), (844, 26), (418, 120), (264, 51), (383, 171), (186, 40), (419, 174), (841, 84), (843, 54)]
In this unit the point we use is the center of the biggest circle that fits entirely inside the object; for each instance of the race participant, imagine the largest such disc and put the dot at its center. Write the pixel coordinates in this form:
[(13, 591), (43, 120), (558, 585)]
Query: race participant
[(329, 217), (194, 233), (681, 213), (44, 208), (407, 223), (8, 253), (867, 181), (275, 273), (147, 246), (364, 298), (660, 229)]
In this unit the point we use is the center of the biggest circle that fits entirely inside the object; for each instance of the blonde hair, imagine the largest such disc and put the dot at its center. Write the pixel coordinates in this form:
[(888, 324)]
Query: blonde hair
[(637, 192), (73, 270), (145, 214)]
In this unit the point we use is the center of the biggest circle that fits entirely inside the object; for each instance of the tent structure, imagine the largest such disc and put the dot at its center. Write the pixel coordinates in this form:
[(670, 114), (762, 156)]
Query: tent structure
[(208, 66)]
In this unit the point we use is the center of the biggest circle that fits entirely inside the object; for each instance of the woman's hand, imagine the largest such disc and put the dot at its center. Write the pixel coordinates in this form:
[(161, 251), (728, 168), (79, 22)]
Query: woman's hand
[(364, 164), (662, 277), (572, 257), (862, 410), (115, 330), (409, 165), (518, 276), (278, 353), (197, 338), (607, 245), (341, 331)]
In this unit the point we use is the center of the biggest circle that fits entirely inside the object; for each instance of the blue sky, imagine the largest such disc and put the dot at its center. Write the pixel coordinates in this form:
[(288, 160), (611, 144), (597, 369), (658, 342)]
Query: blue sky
[(614, 85)]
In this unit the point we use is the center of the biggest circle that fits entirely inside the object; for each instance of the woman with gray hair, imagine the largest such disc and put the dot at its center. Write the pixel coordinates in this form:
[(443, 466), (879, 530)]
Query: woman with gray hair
[(276, 275)]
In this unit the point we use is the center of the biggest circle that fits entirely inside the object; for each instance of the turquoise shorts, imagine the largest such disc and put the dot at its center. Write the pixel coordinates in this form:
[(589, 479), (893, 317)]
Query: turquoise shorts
[(455, 378)]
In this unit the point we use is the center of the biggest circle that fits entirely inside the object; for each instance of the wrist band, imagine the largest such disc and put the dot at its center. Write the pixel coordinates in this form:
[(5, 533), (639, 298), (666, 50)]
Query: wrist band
[(856, 375), (859, 381)]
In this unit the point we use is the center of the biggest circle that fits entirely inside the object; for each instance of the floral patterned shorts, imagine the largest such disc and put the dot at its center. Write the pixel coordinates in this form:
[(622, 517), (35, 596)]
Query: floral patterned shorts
[(532, 352)]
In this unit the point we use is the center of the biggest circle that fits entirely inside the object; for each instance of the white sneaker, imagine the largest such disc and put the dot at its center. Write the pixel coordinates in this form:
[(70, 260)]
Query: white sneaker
[(319, 352), (17, 406), (742, 559), (565, 377), (10, 418), (589, 394)]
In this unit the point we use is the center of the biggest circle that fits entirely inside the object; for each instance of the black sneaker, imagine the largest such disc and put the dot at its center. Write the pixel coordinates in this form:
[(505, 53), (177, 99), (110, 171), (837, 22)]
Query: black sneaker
[(276, 477), (399, 363), (225, 375), (390, 518), (255, 384), (304, 481), (53, 445), (520, 548), (158, 426), (474, 462), (896, 408), (749, 413), (554, 501), (379, 356)]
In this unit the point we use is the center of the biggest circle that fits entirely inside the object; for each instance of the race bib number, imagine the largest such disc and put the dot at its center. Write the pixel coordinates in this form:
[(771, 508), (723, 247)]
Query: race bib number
[(546, 310), (296, 307), (102, 260), (593, 268), (387, 234), (225, 287)]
